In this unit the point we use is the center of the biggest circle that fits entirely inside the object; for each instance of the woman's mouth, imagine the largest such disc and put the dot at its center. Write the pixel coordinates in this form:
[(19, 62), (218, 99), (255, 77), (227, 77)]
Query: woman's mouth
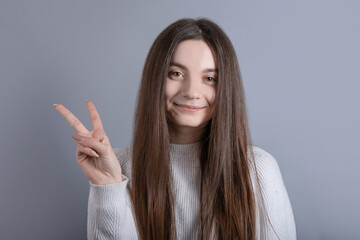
[(188, 108)]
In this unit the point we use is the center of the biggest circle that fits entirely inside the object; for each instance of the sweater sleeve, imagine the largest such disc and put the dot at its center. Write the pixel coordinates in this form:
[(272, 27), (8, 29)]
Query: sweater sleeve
[(276, 199), (109, 211)]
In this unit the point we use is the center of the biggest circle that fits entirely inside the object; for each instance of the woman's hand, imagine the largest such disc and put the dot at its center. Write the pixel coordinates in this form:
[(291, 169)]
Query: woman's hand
[(94, 153)]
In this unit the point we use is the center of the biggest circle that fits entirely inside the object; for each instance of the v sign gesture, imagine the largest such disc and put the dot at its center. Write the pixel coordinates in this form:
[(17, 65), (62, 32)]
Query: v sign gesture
[(94, 153)]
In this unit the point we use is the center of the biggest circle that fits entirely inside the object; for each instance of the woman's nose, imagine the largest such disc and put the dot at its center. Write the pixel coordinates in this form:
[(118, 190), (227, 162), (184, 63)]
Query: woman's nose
[(191, 88)]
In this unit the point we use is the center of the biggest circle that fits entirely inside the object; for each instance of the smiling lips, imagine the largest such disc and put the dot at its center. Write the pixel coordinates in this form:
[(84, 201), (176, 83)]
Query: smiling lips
[(188, 108)]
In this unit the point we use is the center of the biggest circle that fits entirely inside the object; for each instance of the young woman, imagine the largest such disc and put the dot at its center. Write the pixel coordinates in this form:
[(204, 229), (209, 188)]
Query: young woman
[(191, 172)]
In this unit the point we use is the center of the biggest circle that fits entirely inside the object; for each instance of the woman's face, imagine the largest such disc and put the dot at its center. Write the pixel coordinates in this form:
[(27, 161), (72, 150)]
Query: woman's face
[(191, 85)]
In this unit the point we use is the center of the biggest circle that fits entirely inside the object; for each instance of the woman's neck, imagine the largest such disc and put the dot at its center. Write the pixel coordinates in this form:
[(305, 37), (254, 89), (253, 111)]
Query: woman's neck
[(185, 135)]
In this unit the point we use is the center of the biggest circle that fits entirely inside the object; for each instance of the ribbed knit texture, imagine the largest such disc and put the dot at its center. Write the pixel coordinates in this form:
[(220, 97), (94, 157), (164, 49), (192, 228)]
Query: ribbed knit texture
[(109, 209)]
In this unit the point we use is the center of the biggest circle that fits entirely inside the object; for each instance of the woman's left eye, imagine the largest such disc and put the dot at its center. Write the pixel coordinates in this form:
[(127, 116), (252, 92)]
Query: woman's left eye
[(211, 79)]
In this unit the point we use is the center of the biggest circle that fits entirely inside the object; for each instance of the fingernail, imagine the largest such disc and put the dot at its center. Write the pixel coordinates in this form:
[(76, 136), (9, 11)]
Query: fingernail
[(94, 153), (87, 101), (77, 137), (55, 105)]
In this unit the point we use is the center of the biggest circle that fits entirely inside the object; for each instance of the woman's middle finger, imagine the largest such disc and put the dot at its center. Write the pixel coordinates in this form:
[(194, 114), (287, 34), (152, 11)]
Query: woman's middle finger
[(94, 116)]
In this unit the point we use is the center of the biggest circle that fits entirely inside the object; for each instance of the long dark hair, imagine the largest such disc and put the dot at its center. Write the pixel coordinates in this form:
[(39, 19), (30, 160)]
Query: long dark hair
[(228, 204)]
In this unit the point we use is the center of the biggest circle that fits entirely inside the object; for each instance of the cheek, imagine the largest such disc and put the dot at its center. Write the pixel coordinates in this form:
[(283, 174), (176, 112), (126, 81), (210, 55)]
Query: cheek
[(212, 100), (171, 90), (211, 96)]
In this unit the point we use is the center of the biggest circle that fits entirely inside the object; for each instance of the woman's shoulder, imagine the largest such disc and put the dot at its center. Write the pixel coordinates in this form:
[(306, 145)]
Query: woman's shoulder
[(122, 152), (265, 162), (268, 170), (124, 155)]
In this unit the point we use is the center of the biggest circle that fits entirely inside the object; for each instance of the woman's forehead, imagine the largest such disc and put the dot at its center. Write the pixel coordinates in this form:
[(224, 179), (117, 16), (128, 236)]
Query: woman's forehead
[(193, 54)]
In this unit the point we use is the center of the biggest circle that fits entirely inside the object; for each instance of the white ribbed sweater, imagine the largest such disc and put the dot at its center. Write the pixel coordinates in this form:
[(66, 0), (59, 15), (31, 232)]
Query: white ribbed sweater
[(109, 209)]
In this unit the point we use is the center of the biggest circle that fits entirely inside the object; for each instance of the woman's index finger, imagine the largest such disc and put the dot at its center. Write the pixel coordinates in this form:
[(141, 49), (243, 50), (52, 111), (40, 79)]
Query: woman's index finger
[(94, 116), (74, 122)]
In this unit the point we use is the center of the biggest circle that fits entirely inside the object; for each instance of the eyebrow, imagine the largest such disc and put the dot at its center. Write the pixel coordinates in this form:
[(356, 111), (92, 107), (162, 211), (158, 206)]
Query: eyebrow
[(183, 67)]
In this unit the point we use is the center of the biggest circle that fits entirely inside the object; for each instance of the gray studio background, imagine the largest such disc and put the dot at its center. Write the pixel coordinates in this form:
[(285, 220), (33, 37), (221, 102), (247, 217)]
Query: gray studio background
[(299, 61)]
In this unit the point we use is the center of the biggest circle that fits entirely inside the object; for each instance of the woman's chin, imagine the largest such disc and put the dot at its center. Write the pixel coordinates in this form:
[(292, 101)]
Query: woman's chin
[(189, 124)]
